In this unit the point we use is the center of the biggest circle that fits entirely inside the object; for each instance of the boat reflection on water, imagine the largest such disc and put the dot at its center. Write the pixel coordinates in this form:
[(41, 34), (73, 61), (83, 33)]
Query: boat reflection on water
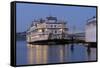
[(43, 54), (37, 54)]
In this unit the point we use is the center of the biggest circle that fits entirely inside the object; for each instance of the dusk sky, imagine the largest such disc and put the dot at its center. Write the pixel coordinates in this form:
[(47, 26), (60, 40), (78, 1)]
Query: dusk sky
[(74, 15)]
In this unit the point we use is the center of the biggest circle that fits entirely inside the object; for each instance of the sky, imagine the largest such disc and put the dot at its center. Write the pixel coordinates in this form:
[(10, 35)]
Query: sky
[(75, 16)]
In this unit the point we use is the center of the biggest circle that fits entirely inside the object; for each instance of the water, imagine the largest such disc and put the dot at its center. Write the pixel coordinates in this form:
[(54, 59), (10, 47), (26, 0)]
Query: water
[(42, 54)]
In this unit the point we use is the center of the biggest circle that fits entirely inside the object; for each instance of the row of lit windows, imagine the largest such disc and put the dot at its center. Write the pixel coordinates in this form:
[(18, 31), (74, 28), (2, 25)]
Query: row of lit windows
[(53, 26), (49, 25), (42, 30)]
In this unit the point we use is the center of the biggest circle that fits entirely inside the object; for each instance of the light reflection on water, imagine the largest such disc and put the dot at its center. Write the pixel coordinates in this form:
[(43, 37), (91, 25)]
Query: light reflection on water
[(42, 54)]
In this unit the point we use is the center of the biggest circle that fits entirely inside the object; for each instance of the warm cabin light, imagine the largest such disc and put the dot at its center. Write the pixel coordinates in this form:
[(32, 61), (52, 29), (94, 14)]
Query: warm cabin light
[(37, 36), (45, 29), (61, 29), (40, 30)]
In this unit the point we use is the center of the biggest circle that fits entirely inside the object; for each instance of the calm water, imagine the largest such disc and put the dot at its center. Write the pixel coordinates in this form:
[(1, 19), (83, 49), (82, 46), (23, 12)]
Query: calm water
[(42, 54)]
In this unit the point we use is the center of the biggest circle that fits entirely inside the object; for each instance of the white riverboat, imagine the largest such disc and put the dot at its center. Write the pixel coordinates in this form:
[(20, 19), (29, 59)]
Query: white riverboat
[(49, 28)]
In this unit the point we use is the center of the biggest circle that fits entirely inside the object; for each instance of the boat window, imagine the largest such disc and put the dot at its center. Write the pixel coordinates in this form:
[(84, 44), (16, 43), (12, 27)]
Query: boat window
[(51, 25), (55, 31), (54, 25)]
